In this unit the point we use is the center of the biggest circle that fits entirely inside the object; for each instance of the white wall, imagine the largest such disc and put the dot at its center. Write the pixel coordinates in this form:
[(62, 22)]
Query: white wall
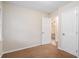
[(0, 29), (78, 27), (21, 27)]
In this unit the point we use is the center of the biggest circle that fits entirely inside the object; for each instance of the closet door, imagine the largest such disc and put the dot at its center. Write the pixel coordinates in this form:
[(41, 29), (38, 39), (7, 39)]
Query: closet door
[(69, 40)]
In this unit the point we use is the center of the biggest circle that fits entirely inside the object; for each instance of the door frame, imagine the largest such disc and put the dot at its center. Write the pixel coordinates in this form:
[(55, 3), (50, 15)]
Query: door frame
[(49, 36)]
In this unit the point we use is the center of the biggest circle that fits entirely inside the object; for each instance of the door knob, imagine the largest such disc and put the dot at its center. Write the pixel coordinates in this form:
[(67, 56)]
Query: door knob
[(63, 34)]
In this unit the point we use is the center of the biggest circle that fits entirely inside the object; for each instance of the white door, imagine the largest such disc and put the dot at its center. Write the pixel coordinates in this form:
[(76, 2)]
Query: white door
[(46, 30), (69, 41)]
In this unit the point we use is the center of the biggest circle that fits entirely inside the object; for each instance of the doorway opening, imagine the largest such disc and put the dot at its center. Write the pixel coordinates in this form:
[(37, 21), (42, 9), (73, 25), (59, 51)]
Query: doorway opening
[(54, 31)]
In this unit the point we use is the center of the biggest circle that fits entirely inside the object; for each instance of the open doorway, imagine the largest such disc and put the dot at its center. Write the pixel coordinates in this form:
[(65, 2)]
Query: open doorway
[(54, 31)]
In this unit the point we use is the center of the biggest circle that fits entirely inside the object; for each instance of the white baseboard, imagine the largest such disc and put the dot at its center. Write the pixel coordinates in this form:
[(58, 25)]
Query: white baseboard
[(67, 51), (60, 48), (32, 45)]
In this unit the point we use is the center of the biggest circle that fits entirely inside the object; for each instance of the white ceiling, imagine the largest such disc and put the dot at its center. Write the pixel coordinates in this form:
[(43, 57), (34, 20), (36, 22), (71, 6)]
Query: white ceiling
[(44, 6)]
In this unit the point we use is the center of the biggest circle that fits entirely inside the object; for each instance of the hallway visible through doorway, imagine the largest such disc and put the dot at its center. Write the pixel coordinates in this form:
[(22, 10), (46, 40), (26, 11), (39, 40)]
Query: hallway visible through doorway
[(54, 31)]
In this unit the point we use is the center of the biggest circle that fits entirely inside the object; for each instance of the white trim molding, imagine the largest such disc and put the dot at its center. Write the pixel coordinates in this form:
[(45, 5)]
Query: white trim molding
[(30, 46)]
